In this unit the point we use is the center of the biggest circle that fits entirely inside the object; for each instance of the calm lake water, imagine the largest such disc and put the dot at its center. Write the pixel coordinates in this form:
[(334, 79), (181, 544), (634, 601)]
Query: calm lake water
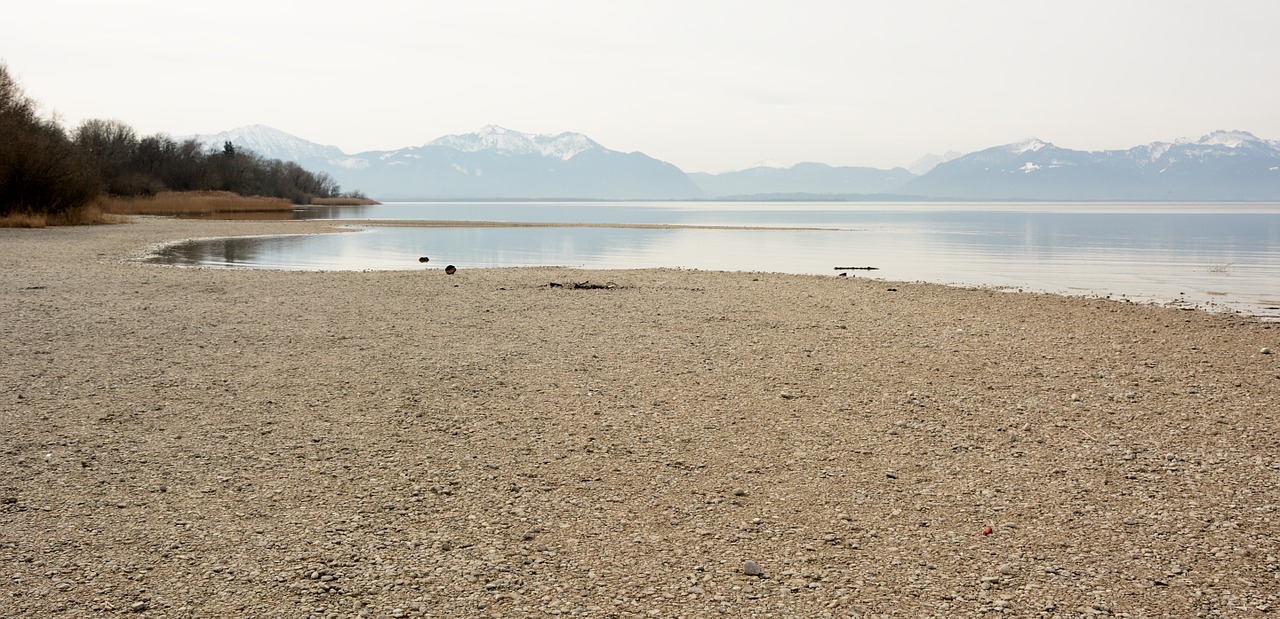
[(1220, 256)]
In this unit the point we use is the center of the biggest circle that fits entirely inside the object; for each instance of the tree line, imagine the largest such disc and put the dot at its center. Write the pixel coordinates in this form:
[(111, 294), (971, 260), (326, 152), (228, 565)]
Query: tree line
[(45, 169)]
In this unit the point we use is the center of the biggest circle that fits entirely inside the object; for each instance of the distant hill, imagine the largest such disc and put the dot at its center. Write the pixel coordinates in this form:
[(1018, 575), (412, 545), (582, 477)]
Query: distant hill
[(931, 161), (271, 143), (1221, 166), (493, 163), (497, 163)]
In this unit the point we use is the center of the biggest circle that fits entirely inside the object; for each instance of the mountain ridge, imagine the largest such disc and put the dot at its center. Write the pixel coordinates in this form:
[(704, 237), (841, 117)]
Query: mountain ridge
[(495, 162), (1222, 165)]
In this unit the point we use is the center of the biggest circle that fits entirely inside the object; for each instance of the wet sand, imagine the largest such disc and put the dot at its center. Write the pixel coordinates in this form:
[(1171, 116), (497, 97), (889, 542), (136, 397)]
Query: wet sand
[(186, 442)]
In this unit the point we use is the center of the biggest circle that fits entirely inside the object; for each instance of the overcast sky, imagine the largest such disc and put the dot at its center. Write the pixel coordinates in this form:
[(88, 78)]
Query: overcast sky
[(708, 85)]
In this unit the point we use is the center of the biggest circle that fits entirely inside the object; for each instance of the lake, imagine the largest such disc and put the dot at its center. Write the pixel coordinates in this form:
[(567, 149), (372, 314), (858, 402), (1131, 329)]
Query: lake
[(1217, 256)]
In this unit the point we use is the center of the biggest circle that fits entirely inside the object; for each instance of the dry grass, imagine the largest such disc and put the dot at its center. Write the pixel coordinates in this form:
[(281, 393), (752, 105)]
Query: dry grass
[(112, 209), (193, 203), (91, 214), (88, 215), (23, 220), (343, 202)]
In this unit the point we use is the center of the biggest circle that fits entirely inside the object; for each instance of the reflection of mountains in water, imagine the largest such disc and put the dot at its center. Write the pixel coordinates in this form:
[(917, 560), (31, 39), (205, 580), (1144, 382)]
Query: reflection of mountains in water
[(497, 163), (1228, 259)]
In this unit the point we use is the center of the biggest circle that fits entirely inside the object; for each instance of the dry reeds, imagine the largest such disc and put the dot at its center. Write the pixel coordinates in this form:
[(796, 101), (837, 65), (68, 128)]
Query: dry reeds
[(23, 220), (343, 202), (91, 214), (192, 203), (87, 215)]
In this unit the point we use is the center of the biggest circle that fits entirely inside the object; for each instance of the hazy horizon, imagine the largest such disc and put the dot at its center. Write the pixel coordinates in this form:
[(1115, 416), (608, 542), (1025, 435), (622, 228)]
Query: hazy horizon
[(709, 87)]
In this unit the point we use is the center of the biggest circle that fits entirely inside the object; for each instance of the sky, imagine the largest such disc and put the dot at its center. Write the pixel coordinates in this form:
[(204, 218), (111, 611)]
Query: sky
[(708, 85)]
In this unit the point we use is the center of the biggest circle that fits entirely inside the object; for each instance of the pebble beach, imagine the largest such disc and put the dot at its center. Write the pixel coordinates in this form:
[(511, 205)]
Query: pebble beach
[(199, 442)]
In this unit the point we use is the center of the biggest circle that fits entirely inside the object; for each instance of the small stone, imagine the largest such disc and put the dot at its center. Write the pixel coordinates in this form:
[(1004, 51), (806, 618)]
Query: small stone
[(1007, 569), (740, 492), (138, 607), (751, 569), (1266, 351)]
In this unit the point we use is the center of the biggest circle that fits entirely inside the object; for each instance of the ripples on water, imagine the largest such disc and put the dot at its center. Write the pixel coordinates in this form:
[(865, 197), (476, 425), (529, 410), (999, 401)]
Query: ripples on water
[(1226, 256)]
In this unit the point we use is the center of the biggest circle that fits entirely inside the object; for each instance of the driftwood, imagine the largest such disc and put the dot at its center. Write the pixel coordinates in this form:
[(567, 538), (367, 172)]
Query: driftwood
[(857, 268), (586, 286)]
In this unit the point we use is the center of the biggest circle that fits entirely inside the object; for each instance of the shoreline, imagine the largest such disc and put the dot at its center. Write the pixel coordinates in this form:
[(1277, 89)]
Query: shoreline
[(1209, 300), (200, 442)]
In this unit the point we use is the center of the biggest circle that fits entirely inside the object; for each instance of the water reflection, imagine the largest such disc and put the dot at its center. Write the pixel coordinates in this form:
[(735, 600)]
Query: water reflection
[(1230, 260), (246, 215), (785, 214), (242, 252)]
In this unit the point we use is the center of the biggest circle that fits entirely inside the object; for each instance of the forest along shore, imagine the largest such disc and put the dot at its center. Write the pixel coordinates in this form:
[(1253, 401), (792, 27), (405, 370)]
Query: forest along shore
[(199, 442)]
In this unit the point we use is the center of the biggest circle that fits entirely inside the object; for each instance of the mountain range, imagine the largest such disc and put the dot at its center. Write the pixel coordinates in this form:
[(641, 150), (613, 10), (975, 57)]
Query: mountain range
[(498, 163)]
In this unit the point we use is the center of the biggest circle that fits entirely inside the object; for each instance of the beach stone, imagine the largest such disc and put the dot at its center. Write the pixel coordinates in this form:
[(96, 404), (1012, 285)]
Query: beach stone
[(1266, 351), (521, 440)]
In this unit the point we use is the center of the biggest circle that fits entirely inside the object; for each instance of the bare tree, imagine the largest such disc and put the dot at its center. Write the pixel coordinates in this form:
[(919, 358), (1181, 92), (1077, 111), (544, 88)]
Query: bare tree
[(40, 170), (111, 146)]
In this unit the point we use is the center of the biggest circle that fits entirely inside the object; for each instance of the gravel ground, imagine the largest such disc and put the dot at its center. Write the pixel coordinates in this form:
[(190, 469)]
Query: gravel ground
[(183, 442)]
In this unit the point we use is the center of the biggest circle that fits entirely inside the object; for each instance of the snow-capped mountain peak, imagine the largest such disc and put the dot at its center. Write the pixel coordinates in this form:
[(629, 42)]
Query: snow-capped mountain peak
[(1227, 139), (563, 146), (271, 143), (1029, 145)]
